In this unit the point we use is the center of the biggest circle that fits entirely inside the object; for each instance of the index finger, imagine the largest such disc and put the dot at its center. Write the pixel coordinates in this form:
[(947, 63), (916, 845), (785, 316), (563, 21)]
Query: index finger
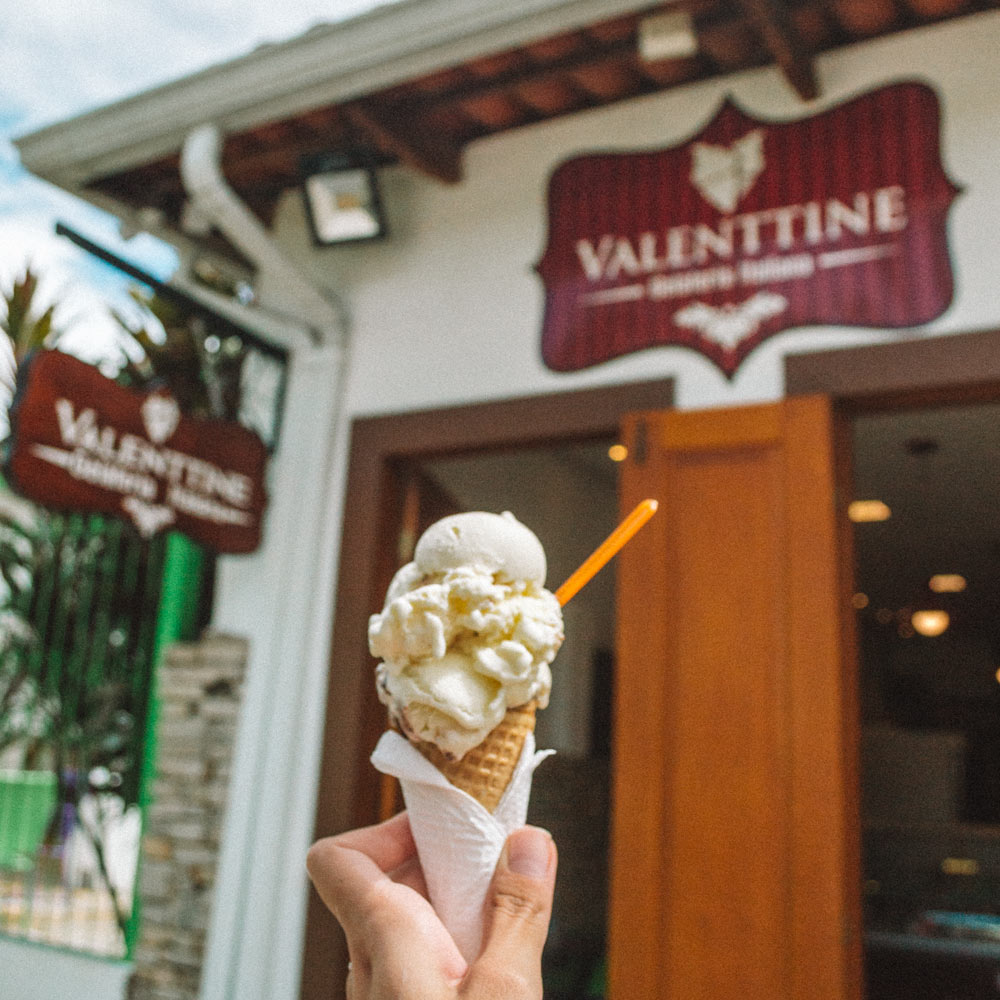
[(343, 868)]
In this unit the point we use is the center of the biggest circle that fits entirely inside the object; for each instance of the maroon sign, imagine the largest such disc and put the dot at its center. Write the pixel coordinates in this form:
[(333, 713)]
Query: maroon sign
[(748, 229), (81, 442)]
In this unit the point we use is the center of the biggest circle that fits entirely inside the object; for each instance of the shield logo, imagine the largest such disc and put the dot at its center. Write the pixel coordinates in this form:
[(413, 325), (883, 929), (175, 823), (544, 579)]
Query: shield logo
[(160, 416), (723, 174)]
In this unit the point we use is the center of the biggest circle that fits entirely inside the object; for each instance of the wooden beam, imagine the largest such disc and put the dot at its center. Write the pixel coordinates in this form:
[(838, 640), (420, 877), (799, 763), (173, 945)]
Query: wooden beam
[(404, 136), (583, 58), (774, 22)]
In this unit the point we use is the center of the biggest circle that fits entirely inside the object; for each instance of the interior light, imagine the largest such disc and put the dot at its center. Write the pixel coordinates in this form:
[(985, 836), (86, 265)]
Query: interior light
[(618, 453), (930, 621), (960, 866), (947, 583), (860, 600), (860, 511), (341, 198)]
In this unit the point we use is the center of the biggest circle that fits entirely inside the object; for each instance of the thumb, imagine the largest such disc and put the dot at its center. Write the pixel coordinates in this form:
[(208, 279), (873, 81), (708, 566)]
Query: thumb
[(518, 909)]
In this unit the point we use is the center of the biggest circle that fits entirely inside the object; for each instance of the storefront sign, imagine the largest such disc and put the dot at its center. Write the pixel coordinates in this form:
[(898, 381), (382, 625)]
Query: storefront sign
[(751, 228), (82, 442)]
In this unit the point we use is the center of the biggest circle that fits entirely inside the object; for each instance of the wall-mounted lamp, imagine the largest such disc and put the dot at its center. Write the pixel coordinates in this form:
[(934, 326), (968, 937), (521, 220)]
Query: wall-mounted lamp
[(341, 198), (667, 35)]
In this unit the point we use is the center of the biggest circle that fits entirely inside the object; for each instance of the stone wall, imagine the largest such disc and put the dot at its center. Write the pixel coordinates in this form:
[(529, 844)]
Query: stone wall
[(199, 687)]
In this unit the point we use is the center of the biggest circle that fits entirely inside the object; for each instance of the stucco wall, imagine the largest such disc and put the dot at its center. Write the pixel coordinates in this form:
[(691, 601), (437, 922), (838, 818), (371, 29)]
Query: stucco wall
[(448, 309)]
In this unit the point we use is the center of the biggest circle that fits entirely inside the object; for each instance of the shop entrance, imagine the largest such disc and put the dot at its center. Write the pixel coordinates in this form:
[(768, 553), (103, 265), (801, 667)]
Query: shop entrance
[(546, 459), (692, 842), (927, 602), (735, 842)]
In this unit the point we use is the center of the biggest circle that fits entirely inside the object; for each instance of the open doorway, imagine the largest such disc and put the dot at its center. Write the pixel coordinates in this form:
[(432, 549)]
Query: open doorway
[(924, 420), (928, 605), (544, 458)]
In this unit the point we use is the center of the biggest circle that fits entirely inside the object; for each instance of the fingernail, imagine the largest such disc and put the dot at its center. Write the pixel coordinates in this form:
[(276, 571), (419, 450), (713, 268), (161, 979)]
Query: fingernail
[(529, 852)]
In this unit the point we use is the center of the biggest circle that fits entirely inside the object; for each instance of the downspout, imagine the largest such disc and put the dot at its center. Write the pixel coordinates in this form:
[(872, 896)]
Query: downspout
[(256, 924), (214, 200)]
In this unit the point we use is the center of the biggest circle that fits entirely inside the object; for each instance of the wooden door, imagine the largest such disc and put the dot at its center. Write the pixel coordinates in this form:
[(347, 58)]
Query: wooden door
[(735, 868)]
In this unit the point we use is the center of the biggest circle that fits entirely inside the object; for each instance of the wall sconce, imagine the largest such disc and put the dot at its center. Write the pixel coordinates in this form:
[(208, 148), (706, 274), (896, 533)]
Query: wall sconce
[(667, 35), (341, 196)]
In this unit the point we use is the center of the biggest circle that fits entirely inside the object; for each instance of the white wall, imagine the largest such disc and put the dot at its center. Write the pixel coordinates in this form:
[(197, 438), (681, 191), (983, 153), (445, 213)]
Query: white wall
[(448, 310)]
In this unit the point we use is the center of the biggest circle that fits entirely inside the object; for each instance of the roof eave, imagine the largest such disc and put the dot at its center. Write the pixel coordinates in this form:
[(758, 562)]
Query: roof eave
[(326, 65)]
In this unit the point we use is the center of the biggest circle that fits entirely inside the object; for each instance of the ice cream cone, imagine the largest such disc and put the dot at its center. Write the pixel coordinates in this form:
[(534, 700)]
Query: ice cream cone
[(485, 770)]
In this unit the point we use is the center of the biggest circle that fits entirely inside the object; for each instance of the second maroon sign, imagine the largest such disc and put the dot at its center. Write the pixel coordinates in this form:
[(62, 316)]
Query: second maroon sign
[(750, 228), (81, 442)]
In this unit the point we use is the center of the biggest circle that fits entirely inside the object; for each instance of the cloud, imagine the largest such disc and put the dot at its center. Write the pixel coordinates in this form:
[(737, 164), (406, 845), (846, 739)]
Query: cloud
[(64, 57), (82, 305), (106, 50), (83, 289)]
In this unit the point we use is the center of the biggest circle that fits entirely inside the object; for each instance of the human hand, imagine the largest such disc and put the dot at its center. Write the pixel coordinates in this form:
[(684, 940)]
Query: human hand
[(399, 949)]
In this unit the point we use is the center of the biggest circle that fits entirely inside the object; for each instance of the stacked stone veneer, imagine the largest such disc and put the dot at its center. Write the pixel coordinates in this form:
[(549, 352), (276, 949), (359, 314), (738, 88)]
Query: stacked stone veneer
[(200, 687)]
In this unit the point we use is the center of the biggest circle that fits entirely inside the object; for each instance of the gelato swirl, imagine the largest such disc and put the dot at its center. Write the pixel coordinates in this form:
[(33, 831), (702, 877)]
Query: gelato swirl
[(468, 630)]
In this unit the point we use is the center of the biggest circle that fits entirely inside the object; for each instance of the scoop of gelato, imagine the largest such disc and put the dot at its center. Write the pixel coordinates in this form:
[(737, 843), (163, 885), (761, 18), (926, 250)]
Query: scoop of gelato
[(494, 543), (468, 630)]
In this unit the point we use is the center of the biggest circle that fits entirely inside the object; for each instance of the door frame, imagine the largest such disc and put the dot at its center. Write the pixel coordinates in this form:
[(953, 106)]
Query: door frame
[(950, 368), (381, 448)]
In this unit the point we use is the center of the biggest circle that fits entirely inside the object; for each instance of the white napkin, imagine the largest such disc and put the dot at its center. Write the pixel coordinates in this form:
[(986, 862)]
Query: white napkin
[(458, 840)]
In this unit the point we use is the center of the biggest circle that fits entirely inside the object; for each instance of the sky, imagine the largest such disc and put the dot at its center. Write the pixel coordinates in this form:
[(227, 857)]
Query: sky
[(63, 57)]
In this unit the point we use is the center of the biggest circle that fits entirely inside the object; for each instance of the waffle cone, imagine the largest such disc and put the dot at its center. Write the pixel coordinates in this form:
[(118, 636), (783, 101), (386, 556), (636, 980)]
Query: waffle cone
[(485, 771)]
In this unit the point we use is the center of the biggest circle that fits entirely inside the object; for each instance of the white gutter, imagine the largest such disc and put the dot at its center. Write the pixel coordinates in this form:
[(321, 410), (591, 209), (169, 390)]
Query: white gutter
[(270, 325), (213, 199), (280, 598), (329, 64)]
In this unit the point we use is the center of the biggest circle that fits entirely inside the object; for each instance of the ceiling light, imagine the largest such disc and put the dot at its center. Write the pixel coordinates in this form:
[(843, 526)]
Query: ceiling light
[(860, 511), (618, 453), (670, 35), (930, 621), (960, 866), (341, 198), (947, 583)]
